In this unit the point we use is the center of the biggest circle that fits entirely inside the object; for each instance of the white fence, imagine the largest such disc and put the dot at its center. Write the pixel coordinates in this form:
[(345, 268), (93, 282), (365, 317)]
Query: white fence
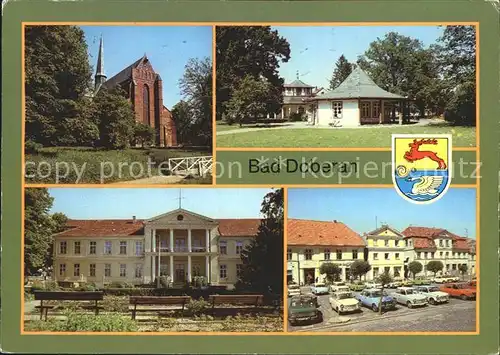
[(198, 166)]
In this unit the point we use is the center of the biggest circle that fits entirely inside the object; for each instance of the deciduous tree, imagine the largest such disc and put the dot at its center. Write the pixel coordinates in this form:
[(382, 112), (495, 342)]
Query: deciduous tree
[(359, 268), (415, 267), (331, 270), (434, 266)]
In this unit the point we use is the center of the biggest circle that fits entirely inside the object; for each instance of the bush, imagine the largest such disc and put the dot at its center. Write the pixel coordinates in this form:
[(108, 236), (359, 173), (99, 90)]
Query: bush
[(115, 304), (88, 287), (129, 291), (297, 117), (31, 147), (48, 285), (120, 284), (85, 323), (197, 307)]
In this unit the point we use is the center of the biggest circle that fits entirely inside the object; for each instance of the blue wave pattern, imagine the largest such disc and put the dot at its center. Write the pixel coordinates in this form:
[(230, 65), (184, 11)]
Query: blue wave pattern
[(405, 185)]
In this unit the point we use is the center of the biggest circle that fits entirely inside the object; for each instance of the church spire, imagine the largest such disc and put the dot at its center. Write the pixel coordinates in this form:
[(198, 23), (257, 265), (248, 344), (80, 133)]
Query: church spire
[(100, 77)]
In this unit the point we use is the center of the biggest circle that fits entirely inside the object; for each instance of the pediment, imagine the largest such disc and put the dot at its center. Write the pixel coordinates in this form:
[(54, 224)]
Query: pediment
[(181, 217)]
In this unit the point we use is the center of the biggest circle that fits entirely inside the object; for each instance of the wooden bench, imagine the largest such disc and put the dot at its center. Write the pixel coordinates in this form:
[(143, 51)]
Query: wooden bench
[(246, 300), (67, 296), (154, 301)]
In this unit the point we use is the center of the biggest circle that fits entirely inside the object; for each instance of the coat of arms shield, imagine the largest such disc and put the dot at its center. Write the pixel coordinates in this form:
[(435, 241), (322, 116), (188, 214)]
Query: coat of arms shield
[(421, 166)]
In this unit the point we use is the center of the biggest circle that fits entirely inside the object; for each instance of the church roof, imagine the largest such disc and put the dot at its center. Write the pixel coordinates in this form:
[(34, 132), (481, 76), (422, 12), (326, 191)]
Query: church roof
[(123, 75), (358, 85), (297, 84)]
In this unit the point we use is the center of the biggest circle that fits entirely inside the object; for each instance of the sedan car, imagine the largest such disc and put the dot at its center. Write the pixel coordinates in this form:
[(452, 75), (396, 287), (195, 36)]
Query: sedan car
[(372, 284), (357, 286), (320, 289), (409, 297), (303, 309), (434, 296), (459, 290), (371, 298), (344, 301)]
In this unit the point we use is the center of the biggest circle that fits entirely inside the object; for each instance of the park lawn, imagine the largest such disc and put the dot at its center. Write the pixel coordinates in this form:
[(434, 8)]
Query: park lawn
[(72, 165), (370, 137)]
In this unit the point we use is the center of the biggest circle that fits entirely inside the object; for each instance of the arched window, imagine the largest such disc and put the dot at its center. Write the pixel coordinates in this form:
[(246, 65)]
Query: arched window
[(145, 105)]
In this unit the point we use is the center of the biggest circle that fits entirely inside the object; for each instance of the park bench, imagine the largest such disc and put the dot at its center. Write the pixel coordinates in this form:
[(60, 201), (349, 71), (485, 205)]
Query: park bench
[(156, 301), (68, 296), (246, 300)]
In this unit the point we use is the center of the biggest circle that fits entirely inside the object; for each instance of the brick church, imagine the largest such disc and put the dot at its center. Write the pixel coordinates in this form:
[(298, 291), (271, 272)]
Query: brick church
[(144, 90)]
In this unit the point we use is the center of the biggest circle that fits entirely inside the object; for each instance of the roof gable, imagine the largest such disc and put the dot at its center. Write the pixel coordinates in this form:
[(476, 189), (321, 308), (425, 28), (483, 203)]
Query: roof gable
[(181, 216), (297, 84), (358, 85), (385, 231), (126, 74)]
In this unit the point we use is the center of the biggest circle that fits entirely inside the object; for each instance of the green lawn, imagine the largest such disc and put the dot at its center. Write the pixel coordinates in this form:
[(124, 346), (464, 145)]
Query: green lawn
[(87, 165), (371, 137)]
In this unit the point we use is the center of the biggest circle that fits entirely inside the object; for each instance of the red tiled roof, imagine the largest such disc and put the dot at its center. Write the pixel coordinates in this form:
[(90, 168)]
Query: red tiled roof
[(334, 233), (423, 243), (422, 232), (125, 227), (461, 244), (423, 238), (245, 227)]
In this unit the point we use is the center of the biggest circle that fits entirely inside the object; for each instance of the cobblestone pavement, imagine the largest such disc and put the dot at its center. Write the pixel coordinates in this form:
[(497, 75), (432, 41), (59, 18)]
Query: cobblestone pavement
[(457, 315)]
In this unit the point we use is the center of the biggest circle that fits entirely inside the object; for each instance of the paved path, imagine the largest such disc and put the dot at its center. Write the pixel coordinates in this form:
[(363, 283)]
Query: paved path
[(299, 125)]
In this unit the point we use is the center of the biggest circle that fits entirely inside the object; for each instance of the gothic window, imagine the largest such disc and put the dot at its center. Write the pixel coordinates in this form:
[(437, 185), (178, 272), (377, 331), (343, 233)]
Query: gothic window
[(146, 104)]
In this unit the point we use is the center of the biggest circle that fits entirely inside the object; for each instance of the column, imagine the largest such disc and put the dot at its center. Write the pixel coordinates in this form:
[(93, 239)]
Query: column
[(189, 268), (282, 112), (153, 268), (172, 268), (207, 268), (153, 237), (189, 240), (171, 246), (207, 240)]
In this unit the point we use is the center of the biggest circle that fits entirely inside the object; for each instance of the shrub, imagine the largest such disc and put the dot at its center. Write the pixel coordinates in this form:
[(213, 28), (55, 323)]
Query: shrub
[(31, 147), (129, 291), (296, 117), (120, 284), (115, 304), (85, 322), (48, 285), (197, 307), (88, 287)]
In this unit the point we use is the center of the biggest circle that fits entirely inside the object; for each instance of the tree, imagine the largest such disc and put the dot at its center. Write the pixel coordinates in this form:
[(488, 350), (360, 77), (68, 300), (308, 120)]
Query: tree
[(415, 267), (183, 119), (248, 100), (263, 258), (249, 50), (144, 135), (196, 87), (331, 270), (463, 269), (359, 268), (58, 76), (39, 226), (434, 266), (116, 118), (384, 279), (342, 70)]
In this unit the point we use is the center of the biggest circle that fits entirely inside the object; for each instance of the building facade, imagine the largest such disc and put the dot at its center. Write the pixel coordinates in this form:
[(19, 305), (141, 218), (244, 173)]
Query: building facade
[(179, 244), (144, 89)]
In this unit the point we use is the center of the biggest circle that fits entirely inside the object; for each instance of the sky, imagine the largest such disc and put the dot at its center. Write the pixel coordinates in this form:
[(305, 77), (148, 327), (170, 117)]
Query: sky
[(168, 48), (144, 203), (314, 50), (359, 208)]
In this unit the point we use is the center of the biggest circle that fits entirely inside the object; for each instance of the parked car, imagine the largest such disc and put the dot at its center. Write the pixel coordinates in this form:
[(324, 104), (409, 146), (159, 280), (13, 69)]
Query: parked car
[(344, 301), (459, 290), (343, 288), (303, 309), (407, 283), (357, 286), (409, 297), (373, 284), (371, 298), (439, 279), (320, 289), (421, 281), (434, 296), (472, 284), (293, 290), (395, 284)]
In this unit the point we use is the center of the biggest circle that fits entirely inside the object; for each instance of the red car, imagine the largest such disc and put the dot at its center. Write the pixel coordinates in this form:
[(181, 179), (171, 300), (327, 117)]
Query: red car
[(459, 290), (472, 284)]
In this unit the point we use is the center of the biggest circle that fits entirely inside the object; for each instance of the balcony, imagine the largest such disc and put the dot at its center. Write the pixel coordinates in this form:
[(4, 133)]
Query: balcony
[(181, 249)]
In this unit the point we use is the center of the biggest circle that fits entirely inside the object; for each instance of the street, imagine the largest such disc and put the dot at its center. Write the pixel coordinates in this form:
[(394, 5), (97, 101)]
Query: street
[(456, 315)]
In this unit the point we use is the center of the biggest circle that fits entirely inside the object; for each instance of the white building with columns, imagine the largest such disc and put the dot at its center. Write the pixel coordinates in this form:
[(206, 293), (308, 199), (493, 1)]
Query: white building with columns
[(180, 244)]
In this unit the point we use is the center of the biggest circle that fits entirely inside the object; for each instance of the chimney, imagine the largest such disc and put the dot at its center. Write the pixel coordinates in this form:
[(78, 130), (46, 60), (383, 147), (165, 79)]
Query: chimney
[(134, 219)]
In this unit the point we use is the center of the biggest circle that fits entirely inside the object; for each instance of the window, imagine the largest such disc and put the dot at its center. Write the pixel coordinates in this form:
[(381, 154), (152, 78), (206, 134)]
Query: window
[(308, 254), (223, 247), (107, 247), (223, 271), (354, 254), (76, 270), (289, 254), (375, 256), (441, 255), (107, 270), (139, 248), (397, 271), (375, 109), (62, 269), (239, 270), (196, 270), (448, 243), (123, 248), (92, 270), (337, 109), (396, 243), (138, 270), (432, 255), (62, 247), (76, 248), (239, 247), (419, 255), (375, 271), (123, 270), (365, 109), (327, 254), (386, 243), (440, 242), (386, 256), (396, 255), (339, 254), (93, 247), (145, 107)]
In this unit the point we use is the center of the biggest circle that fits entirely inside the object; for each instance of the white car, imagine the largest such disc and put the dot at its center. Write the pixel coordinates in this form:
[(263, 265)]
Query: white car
[(372, 284), (293, 290), (339, 288), (343, 302), (409, 297), (320, 289), (434, 296)]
